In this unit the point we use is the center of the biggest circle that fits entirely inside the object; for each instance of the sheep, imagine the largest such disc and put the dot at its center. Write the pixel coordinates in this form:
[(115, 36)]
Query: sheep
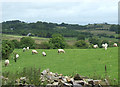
[(24, 49), (34, 52), (6, 62), (105, 46), (17, 56), (28, 48), (43, 53), (95, 46), (61, 50), (115, 44)]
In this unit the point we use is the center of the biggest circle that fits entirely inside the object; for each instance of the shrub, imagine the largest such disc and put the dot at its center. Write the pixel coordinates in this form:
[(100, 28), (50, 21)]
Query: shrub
[(7, 48), (94, 41), (81, 44), (27, 42), (16, 43), (32, 74), (57, 41)]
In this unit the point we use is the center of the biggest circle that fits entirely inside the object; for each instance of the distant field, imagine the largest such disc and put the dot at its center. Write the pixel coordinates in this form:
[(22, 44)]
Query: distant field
[(87, 62), (12, 37), (38, 40), (95, 32)]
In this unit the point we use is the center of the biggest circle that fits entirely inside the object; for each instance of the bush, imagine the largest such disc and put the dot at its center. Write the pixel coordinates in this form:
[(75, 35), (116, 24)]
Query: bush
[(7, 48), (27, 42), (16, 43), (94, 41), (57, 41), (32, 75), (81, 44)]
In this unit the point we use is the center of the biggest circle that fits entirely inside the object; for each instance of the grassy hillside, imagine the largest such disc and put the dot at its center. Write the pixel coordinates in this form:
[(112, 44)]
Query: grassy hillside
[(87, 62)]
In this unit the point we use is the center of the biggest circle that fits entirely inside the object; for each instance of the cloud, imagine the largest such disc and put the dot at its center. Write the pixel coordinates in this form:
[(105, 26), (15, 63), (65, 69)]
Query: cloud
[(78, 12)]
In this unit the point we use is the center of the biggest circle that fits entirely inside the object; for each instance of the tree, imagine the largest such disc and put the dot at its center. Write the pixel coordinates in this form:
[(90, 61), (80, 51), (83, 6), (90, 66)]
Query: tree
[(27, 42), (94, 41), (7, 48), (81, 37), (16, 43), (57, 41), (81, 44)]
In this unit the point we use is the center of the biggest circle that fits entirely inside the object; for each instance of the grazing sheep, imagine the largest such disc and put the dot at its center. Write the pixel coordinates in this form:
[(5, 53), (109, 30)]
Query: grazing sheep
[(95, 46), (28, 48), (17, 56), (105, 46), (115, 44), (24, 49), (34, 52), (6, 62), (61, 50), (43, 53)]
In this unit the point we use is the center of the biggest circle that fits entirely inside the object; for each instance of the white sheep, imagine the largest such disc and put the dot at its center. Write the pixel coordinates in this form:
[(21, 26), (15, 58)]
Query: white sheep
[(105, 46), (61, 50), (95, 46), (28, 48), (24, 49), (115, 44), (6, 62), (17, 56), (34, 52), (43, 53)]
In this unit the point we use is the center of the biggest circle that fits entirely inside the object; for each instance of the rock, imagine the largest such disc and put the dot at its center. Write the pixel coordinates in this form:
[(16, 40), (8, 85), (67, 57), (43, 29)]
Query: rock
[(77, 85), (23, 78), (96, 82), (55, 83), (68, 84), (80, 82), (44, 72), (64, 79), (78, 77), (88, 85), (61, 74), (90, 81)]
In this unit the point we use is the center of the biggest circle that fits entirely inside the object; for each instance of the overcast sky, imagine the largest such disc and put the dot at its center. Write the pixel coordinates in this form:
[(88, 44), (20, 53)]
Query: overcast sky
[(72, 12)]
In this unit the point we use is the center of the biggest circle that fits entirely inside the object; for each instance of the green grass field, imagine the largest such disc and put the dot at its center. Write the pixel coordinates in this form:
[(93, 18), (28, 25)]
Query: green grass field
[(86, 62)]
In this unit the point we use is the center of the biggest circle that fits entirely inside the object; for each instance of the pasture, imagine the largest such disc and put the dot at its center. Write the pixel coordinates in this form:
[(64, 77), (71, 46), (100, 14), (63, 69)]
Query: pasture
[(86, 62)]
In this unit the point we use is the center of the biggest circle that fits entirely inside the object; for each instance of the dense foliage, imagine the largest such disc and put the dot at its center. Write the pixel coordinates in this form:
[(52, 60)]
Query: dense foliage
[(7, 48), (57, 41), (81, 44), (94, 41), (16, 43), (45, 29), (27, 42)]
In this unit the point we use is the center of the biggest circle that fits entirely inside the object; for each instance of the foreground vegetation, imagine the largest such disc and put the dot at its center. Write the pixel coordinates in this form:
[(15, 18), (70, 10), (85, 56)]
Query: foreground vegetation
[(87, 62)]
